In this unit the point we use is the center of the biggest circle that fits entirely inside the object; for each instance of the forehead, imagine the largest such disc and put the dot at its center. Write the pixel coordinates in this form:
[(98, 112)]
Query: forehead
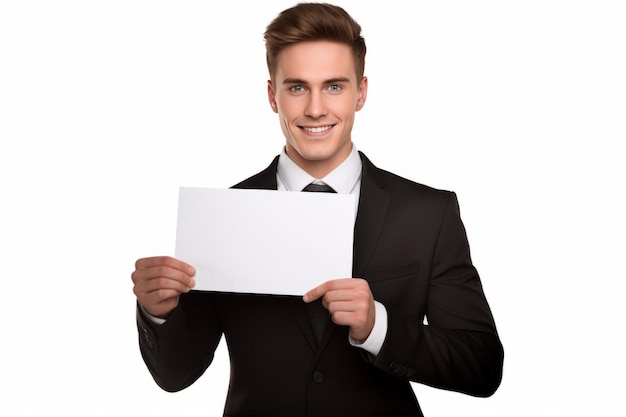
[(315, 61)]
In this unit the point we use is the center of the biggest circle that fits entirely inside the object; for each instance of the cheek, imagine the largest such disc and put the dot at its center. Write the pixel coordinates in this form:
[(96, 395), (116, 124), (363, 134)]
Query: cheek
[(285, 109), (346, 108)]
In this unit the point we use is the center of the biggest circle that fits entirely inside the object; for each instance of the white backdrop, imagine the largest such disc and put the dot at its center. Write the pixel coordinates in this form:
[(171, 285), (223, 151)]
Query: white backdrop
[(106, 108)]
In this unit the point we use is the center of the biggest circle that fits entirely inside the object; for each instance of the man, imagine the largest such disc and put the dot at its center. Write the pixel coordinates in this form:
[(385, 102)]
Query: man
[(411, 262)]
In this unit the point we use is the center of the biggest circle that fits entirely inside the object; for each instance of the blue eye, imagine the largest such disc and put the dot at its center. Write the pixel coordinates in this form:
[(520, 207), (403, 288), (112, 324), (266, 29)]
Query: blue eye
[(335, 88), (297, 89)]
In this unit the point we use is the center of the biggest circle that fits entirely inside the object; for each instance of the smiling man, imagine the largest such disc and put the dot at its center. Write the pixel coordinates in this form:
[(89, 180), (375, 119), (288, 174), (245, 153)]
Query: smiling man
[(351, 346)]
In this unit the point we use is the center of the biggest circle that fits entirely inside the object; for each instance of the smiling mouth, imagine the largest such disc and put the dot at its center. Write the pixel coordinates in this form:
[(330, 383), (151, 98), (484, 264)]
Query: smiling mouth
[(319, 129)]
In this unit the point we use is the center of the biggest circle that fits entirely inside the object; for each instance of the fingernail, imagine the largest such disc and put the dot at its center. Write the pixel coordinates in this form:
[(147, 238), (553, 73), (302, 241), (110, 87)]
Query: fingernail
[(306, 297), (192, 283)]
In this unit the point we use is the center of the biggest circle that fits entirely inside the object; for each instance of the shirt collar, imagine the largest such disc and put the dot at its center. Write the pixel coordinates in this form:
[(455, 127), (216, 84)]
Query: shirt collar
[(342, 179)]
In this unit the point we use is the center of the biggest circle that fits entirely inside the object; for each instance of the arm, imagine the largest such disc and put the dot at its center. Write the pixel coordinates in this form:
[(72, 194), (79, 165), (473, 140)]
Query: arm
[(459, 348), (180, 349)]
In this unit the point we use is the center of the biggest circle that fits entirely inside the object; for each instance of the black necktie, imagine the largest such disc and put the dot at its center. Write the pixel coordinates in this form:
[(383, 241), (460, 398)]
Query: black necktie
[(319, 188), (318, 315)]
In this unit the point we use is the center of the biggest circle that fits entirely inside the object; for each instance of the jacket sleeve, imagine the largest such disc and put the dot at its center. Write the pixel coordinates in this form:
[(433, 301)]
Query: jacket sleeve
[(459, 348), (178, 351)]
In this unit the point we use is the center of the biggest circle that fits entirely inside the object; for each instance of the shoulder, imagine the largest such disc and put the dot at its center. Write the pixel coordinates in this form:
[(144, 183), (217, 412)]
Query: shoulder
[(265, 179), (400, 187)]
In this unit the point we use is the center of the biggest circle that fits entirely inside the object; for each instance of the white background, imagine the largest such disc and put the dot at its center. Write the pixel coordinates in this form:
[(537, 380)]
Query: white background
[(107, 107)]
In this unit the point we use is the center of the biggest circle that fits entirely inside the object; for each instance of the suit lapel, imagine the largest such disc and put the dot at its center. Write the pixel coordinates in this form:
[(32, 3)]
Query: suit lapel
[(264, 180), (373, 206)]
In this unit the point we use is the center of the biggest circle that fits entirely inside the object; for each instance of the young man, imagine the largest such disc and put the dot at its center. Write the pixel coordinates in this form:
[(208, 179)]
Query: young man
[(411, 261)]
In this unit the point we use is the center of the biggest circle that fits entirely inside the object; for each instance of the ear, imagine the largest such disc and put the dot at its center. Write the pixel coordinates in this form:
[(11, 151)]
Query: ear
[(271, 96), (362, 94)]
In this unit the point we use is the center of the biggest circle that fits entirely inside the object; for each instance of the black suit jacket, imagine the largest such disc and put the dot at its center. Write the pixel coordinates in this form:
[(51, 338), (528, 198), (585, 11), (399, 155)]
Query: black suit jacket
[(411, 246)]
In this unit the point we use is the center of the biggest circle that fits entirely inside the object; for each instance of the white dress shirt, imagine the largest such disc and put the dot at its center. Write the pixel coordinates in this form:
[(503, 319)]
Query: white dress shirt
[(345, 179)]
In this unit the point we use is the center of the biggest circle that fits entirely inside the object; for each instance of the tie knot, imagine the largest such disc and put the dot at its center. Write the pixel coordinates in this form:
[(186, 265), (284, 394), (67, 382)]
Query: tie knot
[(319, 188)]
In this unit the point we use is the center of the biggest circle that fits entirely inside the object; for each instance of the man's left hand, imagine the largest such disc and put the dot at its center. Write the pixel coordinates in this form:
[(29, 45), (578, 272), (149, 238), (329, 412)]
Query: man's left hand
[(350, 303)]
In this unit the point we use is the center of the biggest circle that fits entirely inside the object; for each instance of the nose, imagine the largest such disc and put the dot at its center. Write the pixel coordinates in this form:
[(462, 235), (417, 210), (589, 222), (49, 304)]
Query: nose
[(316, 106)]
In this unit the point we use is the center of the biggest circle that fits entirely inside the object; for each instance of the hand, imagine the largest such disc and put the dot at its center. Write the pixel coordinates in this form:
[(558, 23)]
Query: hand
[(350, 303), (159, 281)]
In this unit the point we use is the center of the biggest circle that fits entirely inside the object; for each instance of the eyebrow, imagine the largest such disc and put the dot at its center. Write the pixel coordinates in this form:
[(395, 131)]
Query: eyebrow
[(329, 81)]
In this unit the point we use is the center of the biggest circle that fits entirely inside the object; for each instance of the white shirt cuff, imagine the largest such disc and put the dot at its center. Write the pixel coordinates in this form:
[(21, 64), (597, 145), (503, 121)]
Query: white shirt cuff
[(155, 320)]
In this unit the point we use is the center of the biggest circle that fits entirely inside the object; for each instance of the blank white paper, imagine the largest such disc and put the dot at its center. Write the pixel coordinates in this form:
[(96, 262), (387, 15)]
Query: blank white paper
[(264, 241)]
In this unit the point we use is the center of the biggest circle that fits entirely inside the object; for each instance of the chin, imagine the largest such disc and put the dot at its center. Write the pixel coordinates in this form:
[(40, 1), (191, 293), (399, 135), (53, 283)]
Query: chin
[(316, 154)]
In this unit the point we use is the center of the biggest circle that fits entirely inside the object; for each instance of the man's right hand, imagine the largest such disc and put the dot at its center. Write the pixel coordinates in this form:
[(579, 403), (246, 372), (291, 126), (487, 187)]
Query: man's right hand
[(159, 281)]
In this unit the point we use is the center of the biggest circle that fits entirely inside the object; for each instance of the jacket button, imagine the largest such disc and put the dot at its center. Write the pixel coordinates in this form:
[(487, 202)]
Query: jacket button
[(398, 369), (395, 368), (147, 337), (318, 377)]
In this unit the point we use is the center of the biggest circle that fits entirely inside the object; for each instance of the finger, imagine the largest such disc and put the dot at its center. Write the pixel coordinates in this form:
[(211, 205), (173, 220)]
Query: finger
[(316, 293), (165, 261), (343, 295), (162, 271), (338, 306), (331, 285), (356, 294), (159, 296), (354, 305), (161, 283), (342, 318)]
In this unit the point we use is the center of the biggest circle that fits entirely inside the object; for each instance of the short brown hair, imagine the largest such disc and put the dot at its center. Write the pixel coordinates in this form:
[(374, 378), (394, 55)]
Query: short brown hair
[(314, 22)]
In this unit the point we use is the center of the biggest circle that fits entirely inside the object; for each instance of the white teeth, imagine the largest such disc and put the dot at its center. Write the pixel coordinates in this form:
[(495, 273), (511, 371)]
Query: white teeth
[(316, 129)]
